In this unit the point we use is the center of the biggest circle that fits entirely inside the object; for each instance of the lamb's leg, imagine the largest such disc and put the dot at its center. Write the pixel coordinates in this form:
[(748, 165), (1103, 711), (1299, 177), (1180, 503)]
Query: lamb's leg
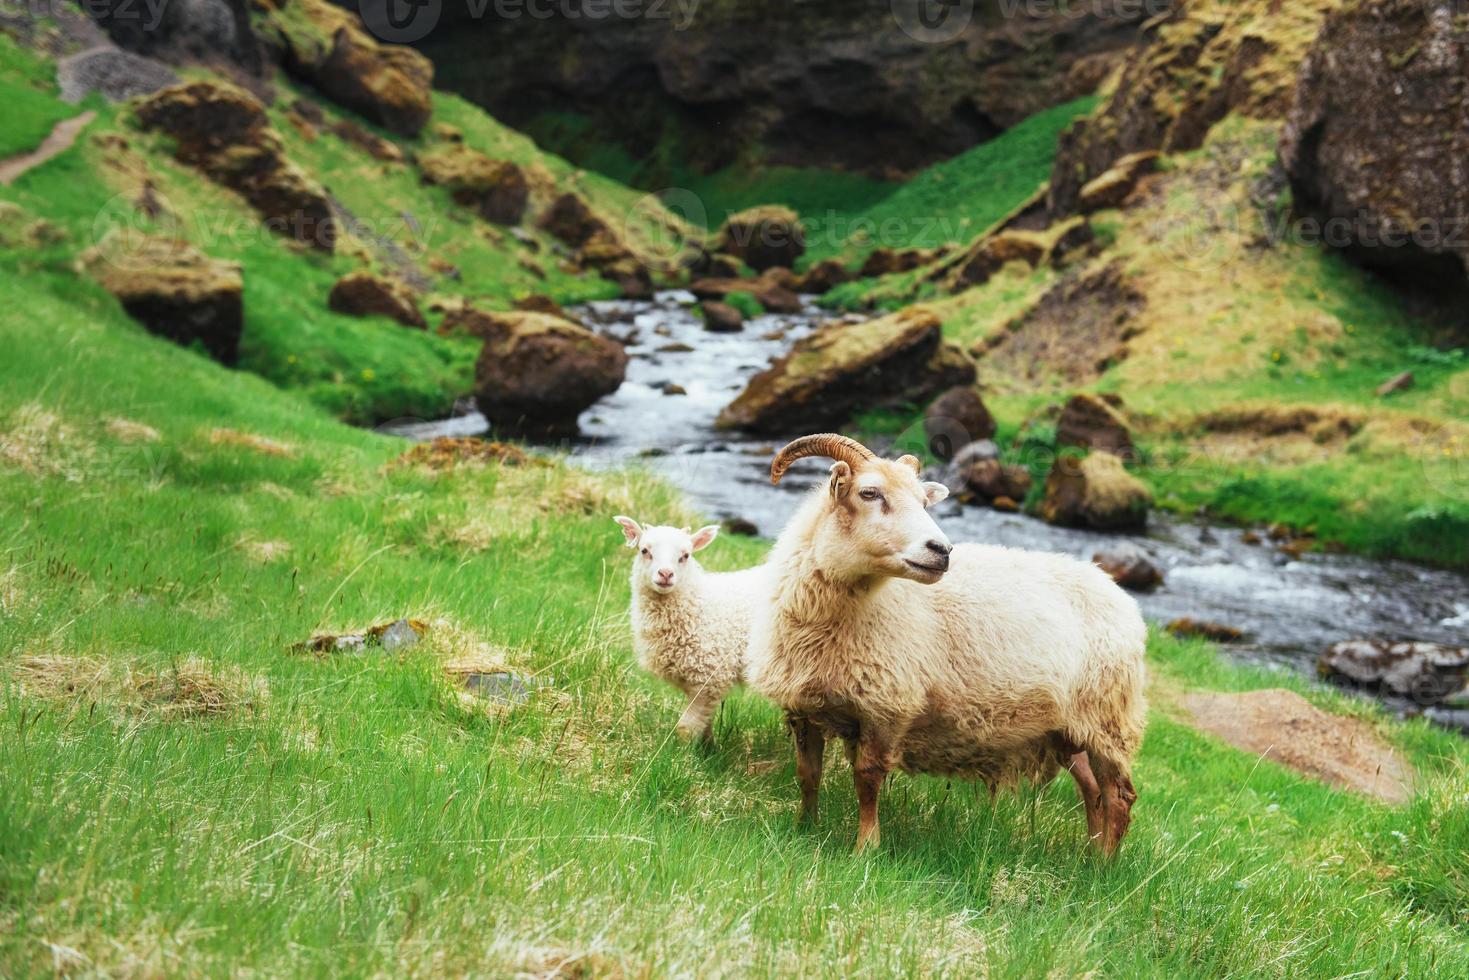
[(869, 768), (697, 722), (810, 757), (1080, 768), (1118, 797)]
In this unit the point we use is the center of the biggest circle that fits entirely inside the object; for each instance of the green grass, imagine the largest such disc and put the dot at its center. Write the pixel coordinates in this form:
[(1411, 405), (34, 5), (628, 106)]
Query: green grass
[(28, 89), (372, 823), (957, 199), (847, 215), (746, 303)]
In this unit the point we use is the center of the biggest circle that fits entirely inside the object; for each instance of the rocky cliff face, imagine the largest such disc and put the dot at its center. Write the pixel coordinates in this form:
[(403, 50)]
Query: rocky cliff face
[(1201, 62), (1377, 144), (850, 84)]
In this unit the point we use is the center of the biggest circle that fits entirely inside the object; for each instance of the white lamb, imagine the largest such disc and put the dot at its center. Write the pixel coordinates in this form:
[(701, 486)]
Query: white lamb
[(972, 661), (690, 626)]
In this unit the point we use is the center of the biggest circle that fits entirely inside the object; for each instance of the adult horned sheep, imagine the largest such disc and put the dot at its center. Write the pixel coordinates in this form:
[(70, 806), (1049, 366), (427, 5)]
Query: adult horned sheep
[(971, 661)]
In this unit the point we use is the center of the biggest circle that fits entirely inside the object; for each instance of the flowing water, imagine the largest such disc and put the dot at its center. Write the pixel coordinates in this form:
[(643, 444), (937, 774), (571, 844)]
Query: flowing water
[(1289, 608)]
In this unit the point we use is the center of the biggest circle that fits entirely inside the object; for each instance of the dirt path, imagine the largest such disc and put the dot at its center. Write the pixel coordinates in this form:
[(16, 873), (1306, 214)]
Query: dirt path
[(1286, 728), (60, 139)]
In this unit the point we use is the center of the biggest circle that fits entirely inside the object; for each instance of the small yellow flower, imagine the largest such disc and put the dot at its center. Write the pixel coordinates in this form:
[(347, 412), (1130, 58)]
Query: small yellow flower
[(291, 359), (368, 374)]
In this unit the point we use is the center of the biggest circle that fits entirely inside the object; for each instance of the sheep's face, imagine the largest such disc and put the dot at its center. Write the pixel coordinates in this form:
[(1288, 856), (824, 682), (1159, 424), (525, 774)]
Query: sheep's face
[(664, 554), (880, 524)]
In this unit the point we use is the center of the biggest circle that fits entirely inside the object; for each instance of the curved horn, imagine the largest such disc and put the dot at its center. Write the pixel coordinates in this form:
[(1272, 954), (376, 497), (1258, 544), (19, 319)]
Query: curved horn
[(828, 444)]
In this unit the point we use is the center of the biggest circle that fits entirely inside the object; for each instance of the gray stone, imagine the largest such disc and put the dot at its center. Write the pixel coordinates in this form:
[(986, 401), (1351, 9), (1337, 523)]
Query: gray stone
[(503, 688), (400, 636), (118, 75)]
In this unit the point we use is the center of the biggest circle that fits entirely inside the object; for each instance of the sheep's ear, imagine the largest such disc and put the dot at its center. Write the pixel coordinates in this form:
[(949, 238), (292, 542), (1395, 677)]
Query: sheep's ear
[(841, 480), (935, 492), (705, 537), (630, 530)]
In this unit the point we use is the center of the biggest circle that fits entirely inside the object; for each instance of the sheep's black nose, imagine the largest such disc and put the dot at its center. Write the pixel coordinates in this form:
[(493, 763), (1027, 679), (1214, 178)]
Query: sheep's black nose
[(941, 551)]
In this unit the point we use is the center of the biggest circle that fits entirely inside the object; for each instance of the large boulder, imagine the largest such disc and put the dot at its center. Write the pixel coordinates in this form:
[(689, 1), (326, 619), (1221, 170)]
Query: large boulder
[(570, 219), (843, 367), (223, 130), (992, 253), (497, 189), (1095, 491), (1376, 144), (1429, 673), (326, 46), (173, 290), (956, 419), (364, 294), (1092, 423), (990, 480), (1130, 566), (538, 372), (763, 237), (721, 317)]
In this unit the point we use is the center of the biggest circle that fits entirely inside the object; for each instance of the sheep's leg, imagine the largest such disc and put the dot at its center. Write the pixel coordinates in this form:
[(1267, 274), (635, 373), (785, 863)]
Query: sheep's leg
[(697, 722), (810, 758), (1080, 768), (870, 768), (1118, 797)]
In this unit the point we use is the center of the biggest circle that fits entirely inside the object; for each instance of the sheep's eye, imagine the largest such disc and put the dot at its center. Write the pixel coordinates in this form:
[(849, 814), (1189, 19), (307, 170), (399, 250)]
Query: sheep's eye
[(683, 557), (647, 553), (871, 493)]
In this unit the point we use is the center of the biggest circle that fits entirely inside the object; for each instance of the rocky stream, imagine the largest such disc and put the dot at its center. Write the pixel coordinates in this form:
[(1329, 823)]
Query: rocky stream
[(1288, 608)]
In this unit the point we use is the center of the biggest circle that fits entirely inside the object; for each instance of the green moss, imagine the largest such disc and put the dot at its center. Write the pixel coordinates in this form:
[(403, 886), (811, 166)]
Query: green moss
[(746, 303)]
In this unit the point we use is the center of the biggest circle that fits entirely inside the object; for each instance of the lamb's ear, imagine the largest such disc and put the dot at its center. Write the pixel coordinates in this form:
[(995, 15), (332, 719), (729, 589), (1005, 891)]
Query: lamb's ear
[(841, 480), (935, 492), (705, 536), (630, 530)]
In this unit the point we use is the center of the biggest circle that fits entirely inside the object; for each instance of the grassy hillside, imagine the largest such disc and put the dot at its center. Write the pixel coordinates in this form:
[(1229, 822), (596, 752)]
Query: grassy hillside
[(169, 760), (31, 108), (1220, 327), (362, 370)]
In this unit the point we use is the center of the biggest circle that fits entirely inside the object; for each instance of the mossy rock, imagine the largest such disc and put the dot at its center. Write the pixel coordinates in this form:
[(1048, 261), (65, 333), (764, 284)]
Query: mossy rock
[(496, 189), (844, 367), (172, 289), (1095, 491), (763, 237)]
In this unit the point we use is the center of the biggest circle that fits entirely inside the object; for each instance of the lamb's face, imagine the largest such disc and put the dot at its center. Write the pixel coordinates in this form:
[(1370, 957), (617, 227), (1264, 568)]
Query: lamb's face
[(880, 523), (664, 554)]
